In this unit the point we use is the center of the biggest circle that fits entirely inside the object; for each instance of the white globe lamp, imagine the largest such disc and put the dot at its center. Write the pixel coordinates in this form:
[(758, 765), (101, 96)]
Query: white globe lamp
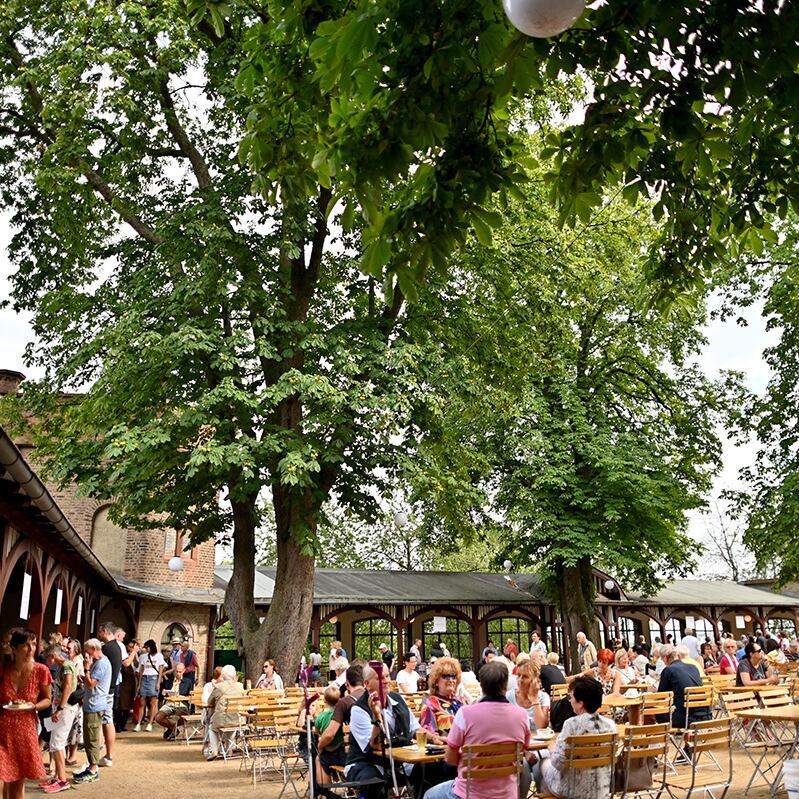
[(508, 565), (609, 585), (175, 563), (400, 518), (543, 18)]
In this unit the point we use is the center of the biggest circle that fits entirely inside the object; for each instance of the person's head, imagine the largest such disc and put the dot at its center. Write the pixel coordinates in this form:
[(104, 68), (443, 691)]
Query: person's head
[(119, 634), (622, 658), (794, 645), (55, 638), (754, 652), (490, 655), (494, 679), (74, 648), (418, 642), (553, 658), (585, 695), (681, 652), (667, 653), (581, 638), (180, 670), (332, 695), (269, 667), (372, 682), (132, 644), (175, 643), (689, 630), (383, 648), (217, 676), (490, 645), (535, 637), (228, 673), (93, 649), (706, 650), (22, 643), (444, 677), (466, 665), (185, 644), (54, 655), (151, 647), (314, 649), (522, 657), (528, 677), (605, 658), (354, 675), (411, 661), (339, 652), (107, 631)]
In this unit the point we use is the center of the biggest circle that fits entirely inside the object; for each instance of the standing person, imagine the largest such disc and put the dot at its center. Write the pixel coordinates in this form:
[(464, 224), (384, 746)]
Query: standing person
[(586, 651), (111, 650), (97, 677), (188, 657), (169, 672), (270, 680), (315, 662), (76, 733), (62, 717), (22, 681), (408, 678), (491, 720), (128, 687), (536, 644), (150, 675), (692, 642), (387, 656), (417, 650)]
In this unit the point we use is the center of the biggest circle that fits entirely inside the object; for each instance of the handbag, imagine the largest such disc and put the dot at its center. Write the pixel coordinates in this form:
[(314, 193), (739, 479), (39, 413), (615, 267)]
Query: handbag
[(640, 776)]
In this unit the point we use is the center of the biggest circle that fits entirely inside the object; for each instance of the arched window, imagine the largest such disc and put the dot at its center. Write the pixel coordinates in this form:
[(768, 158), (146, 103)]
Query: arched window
[(369, 634), (627, 630), (457, 637), (783, 624), (174, 630), (516, 627)]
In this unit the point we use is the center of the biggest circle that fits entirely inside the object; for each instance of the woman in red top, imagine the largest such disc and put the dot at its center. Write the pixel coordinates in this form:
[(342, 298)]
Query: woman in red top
[(729, 662), (22, 681)]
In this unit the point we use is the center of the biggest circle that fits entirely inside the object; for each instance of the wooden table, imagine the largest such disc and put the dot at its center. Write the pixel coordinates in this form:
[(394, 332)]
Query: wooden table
[(790, 714), (413, 754), (739, 689), (621, 701)]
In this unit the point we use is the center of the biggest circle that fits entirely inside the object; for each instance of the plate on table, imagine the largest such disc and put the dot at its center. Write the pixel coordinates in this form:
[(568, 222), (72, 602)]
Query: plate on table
[(543, 735), (19, 706)]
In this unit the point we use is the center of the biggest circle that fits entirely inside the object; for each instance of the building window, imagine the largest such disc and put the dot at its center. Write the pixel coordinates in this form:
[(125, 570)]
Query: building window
[(328, 632), (654, 631), (784, 625), (515, 627), (457, 638), (368, 634), (627, 631), (703, 629), (175, 630), (673, 630)]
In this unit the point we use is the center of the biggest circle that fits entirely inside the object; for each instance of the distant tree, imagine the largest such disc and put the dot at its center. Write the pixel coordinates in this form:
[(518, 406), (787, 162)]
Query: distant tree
[(727, 555)]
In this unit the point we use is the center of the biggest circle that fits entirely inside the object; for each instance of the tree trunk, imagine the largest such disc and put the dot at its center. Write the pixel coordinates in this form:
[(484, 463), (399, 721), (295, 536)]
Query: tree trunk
[(576, 595)]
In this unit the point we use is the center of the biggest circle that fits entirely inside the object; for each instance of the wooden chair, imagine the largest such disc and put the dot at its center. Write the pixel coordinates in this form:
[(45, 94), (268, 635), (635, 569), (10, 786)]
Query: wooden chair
[(485, 761), (657, 703), (705, 738), (644, 747), (597, 751), (558, 691)]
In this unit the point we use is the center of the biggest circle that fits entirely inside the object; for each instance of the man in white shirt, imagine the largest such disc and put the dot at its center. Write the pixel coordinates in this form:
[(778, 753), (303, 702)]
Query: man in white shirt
[(408, 678), (416, 649), (692, 642)]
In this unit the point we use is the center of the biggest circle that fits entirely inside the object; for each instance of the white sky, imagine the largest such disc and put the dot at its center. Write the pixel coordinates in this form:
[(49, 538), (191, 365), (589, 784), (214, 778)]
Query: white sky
[(729, 347)]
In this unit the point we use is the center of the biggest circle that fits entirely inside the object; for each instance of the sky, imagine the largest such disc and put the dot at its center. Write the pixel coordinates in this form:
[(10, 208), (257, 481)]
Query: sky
[(730, 346)]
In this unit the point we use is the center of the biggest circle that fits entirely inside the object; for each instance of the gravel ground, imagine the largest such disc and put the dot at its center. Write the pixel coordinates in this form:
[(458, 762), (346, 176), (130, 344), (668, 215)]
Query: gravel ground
[(145, 763)]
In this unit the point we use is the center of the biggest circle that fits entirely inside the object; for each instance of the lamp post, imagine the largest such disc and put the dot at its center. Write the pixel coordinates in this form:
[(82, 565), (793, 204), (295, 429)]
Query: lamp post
[(543, 18)]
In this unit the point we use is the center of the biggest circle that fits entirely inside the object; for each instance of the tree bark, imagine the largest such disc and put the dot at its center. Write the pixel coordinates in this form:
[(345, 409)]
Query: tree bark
[(576, 595)]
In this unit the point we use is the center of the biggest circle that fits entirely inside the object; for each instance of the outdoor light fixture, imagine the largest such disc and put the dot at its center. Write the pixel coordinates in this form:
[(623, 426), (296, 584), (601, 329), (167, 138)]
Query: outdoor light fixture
[(747, 618), (333, 619), (400, 519), (609, 585), (175, 563), (543, 18), (507, 565)]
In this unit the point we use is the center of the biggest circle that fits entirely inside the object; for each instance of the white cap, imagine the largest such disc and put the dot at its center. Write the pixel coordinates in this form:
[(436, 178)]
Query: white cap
[(382, 646)]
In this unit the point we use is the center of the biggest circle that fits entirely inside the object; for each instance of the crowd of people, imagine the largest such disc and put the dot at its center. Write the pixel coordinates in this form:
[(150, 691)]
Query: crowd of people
[(62, 695), (65, 694)]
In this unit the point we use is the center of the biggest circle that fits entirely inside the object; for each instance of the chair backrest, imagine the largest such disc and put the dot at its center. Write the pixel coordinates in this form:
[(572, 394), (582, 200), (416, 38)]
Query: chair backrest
[(721, 680), (593, 751), (558, 691), (778, 697), (655, 703), (638, 746), (698, 697), (487, 761), (710, 735), (739, 700)]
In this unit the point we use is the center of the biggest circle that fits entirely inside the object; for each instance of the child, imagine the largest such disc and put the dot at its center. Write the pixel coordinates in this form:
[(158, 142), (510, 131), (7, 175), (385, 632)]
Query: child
[(335, 753)]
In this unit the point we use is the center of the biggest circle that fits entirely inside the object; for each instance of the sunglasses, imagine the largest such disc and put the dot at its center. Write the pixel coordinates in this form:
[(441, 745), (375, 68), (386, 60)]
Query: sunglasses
[(449, 676)]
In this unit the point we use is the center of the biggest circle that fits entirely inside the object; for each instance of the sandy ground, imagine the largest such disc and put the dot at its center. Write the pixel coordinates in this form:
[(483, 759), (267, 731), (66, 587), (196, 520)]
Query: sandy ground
[(146, 764)]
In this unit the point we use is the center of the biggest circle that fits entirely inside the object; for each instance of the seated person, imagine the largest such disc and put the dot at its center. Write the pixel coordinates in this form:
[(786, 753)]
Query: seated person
[(551, 772), (709, 662), (753, 668), (168, 715), (407, 677), (334, 753), (226, 688), (676, 677), (729, 660), (493, 720), (441, 703), (528, 695)]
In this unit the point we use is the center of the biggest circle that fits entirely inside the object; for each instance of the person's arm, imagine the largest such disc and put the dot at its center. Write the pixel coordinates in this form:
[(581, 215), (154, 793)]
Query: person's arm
[(128, 661), (618, 681), (540, 713), (66, 690), (160, 678), (87, 675), (327, 736), (45, 698)]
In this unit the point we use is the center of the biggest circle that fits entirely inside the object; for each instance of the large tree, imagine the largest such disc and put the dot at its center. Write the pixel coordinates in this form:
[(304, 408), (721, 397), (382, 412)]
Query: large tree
[(576, 408), (219, 212)]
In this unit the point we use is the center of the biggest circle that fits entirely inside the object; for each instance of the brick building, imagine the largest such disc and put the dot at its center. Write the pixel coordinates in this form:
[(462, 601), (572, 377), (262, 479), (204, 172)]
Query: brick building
[(65, 566)]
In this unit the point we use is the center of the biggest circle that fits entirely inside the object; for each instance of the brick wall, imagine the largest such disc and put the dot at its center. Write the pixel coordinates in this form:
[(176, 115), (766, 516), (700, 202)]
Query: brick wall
[(156, 617)]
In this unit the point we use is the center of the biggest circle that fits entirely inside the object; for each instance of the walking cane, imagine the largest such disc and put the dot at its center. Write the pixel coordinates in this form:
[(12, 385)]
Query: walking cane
[(378, 667)]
